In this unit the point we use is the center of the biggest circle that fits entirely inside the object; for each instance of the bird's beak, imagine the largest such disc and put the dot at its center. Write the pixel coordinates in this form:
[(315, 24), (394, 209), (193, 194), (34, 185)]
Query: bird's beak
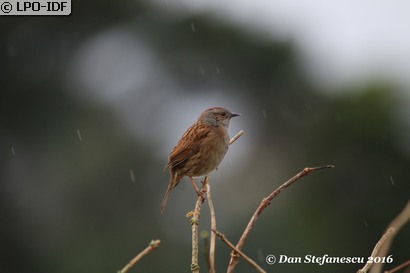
[(235, 115)]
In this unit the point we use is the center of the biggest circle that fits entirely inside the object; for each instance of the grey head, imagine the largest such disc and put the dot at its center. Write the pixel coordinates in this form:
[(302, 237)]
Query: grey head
[(217, 116)]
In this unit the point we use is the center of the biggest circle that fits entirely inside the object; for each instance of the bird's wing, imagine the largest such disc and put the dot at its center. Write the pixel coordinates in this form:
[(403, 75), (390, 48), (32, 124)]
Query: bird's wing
[(188, 145)]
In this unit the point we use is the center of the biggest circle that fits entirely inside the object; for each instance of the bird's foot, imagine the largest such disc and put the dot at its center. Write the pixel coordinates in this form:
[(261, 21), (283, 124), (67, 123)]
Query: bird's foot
[(202, 193)]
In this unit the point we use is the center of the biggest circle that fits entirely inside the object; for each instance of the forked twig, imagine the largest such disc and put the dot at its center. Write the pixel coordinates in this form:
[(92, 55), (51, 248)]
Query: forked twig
[(154, 244), (243, 255), (264, 204)]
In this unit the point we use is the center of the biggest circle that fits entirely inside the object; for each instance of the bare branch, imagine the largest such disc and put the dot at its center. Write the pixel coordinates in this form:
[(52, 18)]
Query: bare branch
[(243, 255), (264, 204), (154, 244), (213, 227), (194, 227), (376, 249), (238, 135), (398, 222)]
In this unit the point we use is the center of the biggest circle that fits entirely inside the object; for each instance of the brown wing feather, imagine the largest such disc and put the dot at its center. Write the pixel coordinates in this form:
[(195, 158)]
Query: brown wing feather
[(188, 145)]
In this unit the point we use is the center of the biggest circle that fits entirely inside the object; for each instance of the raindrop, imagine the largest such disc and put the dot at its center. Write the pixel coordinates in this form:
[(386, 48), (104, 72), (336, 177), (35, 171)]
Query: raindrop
[(264, 113), (193, 27), (217, 70), (79, 135), (132, 175), (12, 151), (202, 71), (392, 181), (365, 223)]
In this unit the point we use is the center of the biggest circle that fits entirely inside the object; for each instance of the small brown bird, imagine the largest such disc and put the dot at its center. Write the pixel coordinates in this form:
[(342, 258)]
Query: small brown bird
[(200, 149)]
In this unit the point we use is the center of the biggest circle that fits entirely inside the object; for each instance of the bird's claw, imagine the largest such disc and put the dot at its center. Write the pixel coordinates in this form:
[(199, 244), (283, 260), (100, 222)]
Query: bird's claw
[(202, 193)]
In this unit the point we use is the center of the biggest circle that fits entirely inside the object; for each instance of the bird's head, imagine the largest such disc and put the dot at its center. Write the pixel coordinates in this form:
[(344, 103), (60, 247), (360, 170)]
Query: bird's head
[(217, 116)]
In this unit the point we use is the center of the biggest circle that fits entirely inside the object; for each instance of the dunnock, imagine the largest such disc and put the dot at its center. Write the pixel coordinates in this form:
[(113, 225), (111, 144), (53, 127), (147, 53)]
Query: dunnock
[(200, 149)]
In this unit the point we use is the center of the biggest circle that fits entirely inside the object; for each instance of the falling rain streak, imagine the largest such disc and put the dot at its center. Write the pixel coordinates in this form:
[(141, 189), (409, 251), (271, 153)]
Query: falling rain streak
[(12, 151), (264, 113), (392, 181), (132, 175), (79, 134), (193, 27)]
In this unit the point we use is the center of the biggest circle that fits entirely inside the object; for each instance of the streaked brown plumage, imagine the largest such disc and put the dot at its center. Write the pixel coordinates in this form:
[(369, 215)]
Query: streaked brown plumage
[(200, 149)]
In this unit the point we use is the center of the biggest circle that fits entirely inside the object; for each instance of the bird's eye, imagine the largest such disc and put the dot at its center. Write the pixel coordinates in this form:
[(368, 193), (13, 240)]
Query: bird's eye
[(223, 114)]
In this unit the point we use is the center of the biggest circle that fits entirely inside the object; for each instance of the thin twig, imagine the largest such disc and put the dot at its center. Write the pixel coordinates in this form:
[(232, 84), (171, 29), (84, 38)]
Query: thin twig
[(246, 258), (264, 204), (397, 268), (238, 135), (376, 249), (398, 222), (213, 227), (154, 244), (195, 227)]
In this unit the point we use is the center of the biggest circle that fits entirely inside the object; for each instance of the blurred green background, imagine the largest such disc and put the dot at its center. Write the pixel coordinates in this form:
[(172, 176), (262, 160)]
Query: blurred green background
[(92, 103)]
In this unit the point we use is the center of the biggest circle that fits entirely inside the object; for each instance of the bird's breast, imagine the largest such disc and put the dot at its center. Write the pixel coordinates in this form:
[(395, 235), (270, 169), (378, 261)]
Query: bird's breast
[(211, 152)]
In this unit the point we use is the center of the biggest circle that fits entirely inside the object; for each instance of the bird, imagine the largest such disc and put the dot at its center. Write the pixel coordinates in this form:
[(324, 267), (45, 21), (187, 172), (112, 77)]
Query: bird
[(200, 149)]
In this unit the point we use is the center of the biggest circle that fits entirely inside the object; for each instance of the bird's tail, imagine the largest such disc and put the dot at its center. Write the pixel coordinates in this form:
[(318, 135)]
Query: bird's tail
[(171, 185)]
